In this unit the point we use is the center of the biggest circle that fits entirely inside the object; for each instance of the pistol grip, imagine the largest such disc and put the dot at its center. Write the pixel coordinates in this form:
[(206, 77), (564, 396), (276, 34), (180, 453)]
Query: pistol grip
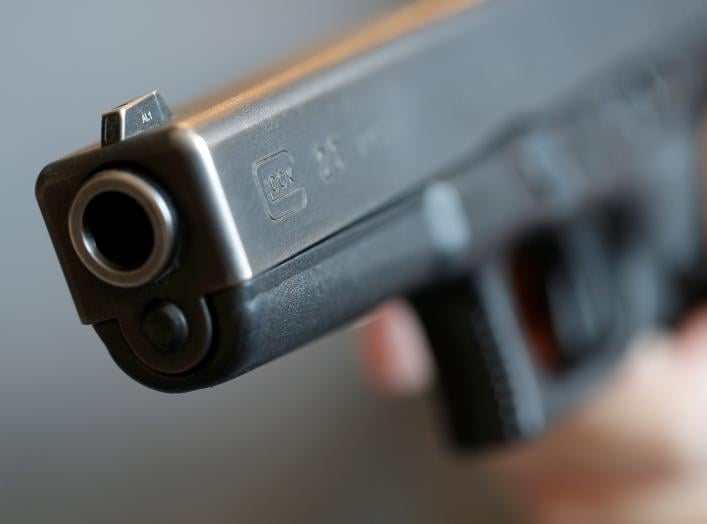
[(498, 381), (487, 380)]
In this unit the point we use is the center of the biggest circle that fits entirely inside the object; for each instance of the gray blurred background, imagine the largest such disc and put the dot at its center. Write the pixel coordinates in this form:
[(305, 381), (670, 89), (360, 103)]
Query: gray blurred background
[(300, 440)]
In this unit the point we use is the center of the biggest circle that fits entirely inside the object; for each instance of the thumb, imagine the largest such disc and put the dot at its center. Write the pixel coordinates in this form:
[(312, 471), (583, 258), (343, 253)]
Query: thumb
[(394, 353)]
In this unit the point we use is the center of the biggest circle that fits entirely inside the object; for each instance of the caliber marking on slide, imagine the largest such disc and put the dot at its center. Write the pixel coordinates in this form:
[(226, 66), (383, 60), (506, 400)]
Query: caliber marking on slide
[(328, 156)]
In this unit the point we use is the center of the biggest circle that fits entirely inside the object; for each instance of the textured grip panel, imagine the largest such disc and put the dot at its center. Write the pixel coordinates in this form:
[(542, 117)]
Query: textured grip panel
[(487, 380)]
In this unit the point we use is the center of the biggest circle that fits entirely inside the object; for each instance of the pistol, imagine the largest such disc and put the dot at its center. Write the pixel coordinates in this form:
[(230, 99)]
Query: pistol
[(527, 173)]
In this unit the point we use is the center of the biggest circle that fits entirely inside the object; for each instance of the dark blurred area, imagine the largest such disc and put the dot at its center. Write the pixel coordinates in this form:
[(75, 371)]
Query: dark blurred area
[(301, 440)]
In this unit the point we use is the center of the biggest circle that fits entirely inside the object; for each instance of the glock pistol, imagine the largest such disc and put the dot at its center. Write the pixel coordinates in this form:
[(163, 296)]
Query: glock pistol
[(527, 173)]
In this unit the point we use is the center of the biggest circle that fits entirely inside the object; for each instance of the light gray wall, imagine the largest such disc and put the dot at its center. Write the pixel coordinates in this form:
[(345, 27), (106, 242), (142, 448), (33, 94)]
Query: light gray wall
[(300, 440)]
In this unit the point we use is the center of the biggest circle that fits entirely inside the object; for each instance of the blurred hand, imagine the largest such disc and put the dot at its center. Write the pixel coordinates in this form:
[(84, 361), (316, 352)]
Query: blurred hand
[(634, 453)]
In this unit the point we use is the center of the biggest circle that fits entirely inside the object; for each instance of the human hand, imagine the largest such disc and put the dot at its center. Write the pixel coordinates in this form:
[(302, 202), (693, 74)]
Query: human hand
[(634, 453)]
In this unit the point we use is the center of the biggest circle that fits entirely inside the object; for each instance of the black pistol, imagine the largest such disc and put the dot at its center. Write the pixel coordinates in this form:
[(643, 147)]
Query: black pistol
[(527, 173)]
